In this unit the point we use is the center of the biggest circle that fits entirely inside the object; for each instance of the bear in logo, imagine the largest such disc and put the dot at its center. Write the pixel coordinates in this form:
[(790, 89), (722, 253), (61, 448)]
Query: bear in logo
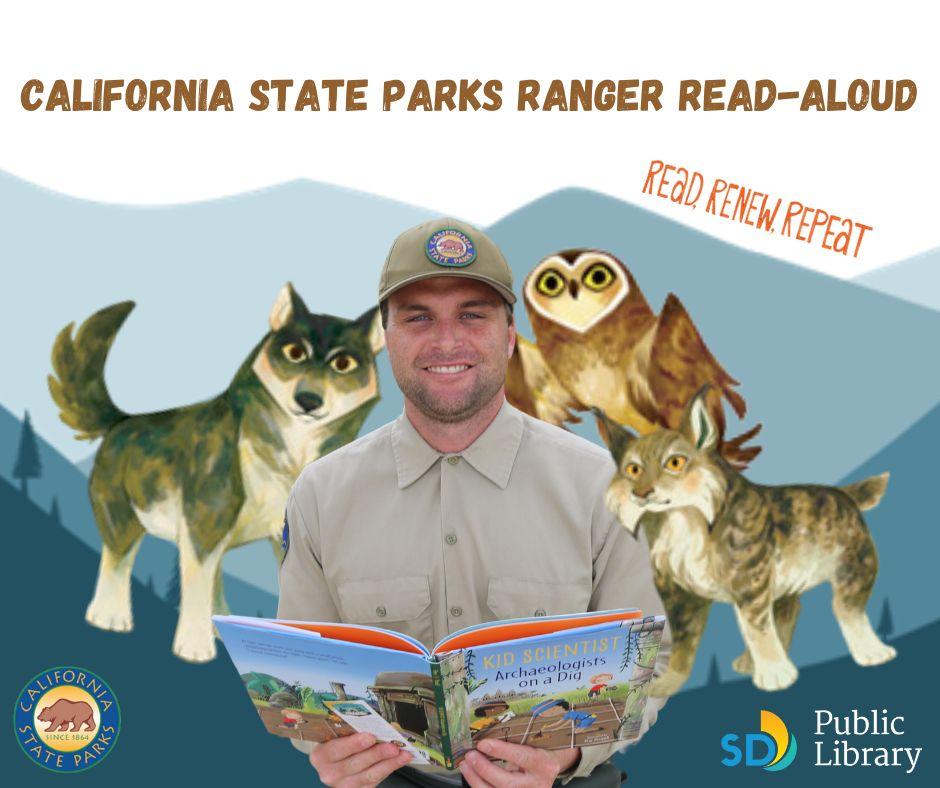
[(64, 713)]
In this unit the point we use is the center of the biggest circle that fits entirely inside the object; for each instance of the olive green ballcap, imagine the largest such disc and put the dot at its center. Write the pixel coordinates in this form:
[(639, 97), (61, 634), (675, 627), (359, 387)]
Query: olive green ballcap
[(445, 247)]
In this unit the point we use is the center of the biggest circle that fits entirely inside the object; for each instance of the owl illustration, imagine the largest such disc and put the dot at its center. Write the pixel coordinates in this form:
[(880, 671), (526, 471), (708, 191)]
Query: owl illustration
[(599, 345)]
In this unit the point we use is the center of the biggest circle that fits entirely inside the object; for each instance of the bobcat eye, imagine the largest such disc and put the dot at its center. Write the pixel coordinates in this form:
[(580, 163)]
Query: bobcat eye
[(598, 276), (294, 352), (633, 470), (675, 463), (343, 363), (550, 283)]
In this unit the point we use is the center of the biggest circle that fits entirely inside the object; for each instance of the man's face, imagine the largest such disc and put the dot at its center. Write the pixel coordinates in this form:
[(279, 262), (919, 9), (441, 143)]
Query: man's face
[(449, 343)]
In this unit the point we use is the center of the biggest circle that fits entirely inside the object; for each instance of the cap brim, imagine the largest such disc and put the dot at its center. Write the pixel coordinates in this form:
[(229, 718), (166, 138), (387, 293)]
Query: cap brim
[(504, 291)]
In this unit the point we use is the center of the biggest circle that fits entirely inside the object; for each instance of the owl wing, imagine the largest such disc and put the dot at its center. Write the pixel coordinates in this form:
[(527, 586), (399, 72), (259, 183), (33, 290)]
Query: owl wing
[(680, 364), (532, 387)]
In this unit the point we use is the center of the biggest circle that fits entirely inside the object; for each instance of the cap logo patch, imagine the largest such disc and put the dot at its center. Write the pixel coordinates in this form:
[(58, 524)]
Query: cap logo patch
[(451, 248)]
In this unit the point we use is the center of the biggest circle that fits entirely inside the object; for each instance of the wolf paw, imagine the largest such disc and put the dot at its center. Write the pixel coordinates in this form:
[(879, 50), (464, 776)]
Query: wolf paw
[(108, 618), (667, 684), (874, 654), (775, 675), (194, 649), (743, 664)]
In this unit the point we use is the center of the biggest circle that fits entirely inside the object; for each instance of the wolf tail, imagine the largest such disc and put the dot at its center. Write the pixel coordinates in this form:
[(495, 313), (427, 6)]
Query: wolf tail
[(868, 492), (78, 386)]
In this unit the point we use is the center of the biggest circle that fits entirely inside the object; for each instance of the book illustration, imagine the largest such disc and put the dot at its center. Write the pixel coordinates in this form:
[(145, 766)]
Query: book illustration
[(551, 681), (360, 715), (564, 691), (136, 485)]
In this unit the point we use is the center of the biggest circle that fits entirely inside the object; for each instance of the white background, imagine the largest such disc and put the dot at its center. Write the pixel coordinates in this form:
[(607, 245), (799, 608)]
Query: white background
[(879, 168)]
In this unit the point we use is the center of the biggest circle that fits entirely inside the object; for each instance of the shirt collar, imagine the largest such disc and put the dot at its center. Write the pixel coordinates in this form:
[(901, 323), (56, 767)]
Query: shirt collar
[(492, 454)]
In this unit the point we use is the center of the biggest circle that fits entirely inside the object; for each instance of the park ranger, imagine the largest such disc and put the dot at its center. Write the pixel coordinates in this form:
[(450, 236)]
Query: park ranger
[(460, 511)]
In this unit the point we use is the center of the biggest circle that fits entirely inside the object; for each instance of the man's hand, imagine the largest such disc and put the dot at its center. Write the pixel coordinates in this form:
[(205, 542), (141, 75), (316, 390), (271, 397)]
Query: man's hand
[(357, 760), (527, 767)]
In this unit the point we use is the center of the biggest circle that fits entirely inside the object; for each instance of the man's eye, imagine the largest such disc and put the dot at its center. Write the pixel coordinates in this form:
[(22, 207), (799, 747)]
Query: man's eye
[(416, 318), (472, 315)]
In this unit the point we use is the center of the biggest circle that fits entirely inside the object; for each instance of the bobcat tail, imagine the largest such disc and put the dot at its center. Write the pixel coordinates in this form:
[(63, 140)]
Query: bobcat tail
[(868, 492), (736, 453), (78, 386)]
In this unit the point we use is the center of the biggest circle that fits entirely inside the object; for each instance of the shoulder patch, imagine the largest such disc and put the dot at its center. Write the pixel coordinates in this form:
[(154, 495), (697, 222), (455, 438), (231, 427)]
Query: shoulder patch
[(285, 538), (451, 248)]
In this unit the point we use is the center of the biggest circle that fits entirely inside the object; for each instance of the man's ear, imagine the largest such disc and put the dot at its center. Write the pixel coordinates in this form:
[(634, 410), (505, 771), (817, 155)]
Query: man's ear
[(287, 306), (370, 321), (616, 437), (697, 423), (512, 338)]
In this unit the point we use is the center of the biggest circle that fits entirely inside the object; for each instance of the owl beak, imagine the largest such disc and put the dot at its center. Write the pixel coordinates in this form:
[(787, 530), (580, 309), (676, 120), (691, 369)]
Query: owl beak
[(573, 287)]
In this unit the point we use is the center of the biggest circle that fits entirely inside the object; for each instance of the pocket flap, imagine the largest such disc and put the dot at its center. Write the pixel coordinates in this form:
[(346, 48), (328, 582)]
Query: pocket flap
[(384, 600), (516, 597)]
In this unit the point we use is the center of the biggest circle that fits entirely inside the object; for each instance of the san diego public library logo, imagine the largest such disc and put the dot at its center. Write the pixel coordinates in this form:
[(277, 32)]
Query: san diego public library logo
[(66, 719), (773, 749)]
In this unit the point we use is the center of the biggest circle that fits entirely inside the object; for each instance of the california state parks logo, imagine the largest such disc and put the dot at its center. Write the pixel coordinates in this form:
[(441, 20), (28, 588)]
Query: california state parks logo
[(66, 719), (450, 248)]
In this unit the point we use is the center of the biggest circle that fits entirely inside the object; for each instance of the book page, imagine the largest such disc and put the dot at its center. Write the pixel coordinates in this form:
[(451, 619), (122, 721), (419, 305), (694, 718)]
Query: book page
[(291, 679), (570, 689), (360, 715)]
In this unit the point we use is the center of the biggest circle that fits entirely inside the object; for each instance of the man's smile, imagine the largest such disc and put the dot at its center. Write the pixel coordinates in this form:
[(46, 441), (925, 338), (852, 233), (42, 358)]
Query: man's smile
[(448, 369)]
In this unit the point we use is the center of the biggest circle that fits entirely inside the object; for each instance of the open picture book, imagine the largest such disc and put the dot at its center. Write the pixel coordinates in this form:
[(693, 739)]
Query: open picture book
[(547, 681)]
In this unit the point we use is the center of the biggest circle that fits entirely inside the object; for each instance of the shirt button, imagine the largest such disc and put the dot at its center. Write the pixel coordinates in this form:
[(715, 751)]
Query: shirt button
[(453, 460), (380, 610), (540, 611), (456, 611), (451, 538)]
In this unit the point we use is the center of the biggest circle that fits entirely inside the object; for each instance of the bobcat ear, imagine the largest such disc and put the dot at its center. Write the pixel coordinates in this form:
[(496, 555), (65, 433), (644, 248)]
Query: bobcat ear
[(616, 437), (697, 423), (286, 306), (371, 321)]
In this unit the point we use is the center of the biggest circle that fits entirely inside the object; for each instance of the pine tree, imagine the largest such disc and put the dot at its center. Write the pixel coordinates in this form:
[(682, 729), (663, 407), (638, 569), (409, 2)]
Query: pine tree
[(54, 511), (886, 622), (714, 677), (173, 586), (28, 465)]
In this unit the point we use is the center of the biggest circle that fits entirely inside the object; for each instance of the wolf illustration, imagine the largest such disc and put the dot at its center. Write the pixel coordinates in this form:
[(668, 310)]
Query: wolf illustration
[(214, 475), (715, 536)]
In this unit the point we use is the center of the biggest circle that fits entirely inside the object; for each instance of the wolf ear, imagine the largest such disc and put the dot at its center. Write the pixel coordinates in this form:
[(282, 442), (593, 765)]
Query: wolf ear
[(697, 423), (616, 437), (286, 306), (370, 321)]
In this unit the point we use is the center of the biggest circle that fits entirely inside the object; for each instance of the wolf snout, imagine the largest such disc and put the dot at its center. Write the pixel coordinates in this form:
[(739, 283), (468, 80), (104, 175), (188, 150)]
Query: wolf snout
[(308, 400)]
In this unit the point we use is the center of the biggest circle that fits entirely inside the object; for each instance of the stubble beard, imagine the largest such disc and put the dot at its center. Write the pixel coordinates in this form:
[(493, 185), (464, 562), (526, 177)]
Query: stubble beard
[(451, 411)]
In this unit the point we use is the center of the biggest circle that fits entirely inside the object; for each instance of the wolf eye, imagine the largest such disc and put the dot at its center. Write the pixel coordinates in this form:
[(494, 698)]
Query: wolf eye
[(633, 470), (550, 283), (294, 352), (675, 463), (598, 276), (343, 363)]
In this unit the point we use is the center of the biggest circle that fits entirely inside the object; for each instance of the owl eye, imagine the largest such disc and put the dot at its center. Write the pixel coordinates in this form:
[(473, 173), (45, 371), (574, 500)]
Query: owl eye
[(550, 283), (632, 470), (675, 463), (598, 276), (294, 352), (343, 363)]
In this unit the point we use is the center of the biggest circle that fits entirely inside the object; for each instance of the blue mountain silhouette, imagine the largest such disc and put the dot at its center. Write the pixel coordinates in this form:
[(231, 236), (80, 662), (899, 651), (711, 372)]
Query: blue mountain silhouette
[(916, 279)]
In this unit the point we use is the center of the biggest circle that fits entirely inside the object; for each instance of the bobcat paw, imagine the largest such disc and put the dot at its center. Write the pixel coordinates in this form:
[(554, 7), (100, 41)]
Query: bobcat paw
[(109, 618), (874, 654), (743, 664), (775, 675), (667, 684), (193, 649)]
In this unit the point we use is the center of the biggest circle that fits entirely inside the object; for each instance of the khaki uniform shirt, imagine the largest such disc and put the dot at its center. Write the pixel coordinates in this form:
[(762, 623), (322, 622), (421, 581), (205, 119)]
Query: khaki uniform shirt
[(390, 532)]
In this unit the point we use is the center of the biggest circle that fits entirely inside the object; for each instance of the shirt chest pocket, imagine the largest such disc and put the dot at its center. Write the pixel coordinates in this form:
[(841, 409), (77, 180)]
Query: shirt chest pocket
[(514, 597), (401, 603)]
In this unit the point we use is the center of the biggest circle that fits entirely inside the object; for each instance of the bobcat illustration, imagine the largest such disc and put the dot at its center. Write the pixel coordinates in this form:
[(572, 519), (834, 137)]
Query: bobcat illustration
[(715, 536)]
